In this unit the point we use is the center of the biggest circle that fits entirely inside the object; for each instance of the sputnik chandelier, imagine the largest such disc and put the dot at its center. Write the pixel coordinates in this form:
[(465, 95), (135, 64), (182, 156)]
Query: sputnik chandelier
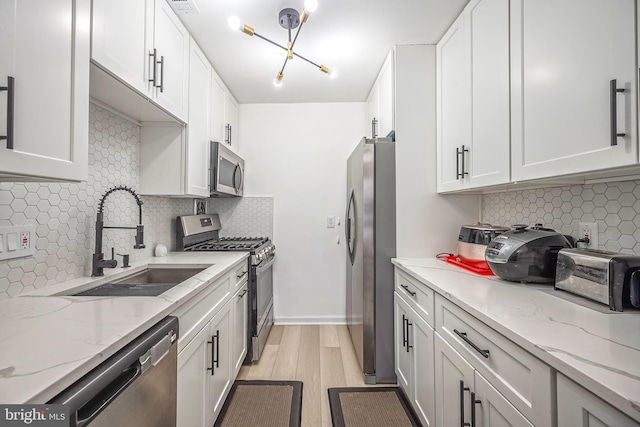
[(289, 19)]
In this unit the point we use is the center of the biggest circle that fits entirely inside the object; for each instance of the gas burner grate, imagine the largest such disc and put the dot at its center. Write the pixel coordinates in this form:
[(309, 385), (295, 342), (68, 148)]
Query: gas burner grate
[(230, 244)]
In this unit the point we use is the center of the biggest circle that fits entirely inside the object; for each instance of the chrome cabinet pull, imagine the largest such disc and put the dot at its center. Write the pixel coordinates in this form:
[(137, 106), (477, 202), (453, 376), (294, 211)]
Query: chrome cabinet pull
[(460, 162), (613, 109), (374, 126), (406, 288), (463, 335), (10, 88), (153, 56)]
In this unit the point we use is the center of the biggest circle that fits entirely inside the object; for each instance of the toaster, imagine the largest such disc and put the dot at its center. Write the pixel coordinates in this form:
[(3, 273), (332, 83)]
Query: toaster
[(606, 277)]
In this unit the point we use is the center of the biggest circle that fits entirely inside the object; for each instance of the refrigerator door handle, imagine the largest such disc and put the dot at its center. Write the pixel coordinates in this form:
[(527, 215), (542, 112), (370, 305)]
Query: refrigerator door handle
[(350, 237)]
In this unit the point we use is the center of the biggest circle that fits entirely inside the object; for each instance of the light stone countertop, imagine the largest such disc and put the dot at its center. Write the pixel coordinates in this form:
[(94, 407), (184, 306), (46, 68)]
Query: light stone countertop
[(597, 348), (49, 341)]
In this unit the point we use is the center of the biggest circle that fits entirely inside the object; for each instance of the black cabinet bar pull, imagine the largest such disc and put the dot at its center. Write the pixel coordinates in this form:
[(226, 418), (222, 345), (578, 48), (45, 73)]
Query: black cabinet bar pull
[(613, 109), (374, 130), (474, 402), (242, 294), (463, 335), (408, 336), (457, 163), (153, 55), (462, 390), (230, 134), (227, 128), (406, 288), (161, 62), (217, 349), (10, 88), (244, 273), (404, 331), (464, 172), (213, 354)]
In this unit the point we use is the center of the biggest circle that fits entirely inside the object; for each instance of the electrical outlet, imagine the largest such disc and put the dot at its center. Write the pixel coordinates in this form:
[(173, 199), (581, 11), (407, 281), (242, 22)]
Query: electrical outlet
[(331, 221), (588, 230), (25, 240)]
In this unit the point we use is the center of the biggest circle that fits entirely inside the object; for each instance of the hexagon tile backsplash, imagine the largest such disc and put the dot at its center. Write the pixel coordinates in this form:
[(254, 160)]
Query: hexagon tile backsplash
[(65, 213), (614, 206)]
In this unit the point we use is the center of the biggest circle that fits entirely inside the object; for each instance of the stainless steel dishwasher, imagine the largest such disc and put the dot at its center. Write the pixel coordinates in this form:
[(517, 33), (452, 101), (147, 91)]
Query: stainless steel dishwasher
[(136, 387)]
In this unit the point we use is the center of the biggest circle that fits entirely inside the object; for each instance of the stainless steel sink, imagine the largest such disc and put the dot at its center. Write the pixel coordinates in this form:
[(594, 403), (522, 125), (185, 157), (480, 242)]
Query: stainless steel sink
[(149, 282)]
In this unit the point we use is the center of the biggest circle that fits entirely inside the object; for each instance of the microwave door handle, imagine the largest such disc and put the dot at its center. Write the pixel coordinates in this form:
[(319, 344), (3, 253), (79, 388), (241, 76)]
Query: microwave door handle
[(238, 186)]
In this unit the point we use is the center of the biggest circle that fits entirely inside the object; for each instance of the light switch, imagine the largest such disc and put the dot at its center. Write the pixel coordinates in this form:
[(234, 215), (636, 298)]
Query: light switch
[(12, 242), (331, 221)]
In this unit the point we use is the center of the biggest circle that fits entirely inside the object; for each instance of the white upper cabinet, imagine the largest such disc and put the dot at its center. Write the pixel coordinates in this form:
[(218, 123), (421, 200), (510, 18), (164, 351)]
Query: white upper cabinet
[(121, 41), (147, 48), (224, 114), (564, 56), (197, 170), (380, 103), (171, 43), (44, 115), (473, 98)]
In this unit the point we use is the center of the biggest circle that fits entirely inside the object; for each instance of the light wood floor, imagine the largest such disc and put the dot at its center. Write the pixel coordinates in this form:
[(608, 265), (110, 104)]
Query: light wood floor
[(320, 356)]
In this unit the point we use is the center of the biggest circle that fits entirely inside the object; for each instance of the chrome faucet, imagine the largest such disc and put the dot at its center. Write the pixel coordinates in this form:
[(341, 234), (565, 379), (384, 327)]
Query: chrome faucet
[(99, 263)]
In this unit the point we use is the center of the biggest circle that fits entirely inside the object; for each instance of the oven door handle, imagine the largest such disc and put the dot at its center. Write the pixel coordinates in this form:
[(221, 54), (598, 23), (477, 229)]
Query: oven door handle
[(264, 264)]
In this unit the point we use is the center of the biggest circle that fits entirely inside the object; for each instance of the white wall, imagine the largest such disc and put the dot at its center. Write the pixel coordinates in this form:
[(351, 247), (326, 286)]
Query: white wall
[(427, 223), (298, 154)]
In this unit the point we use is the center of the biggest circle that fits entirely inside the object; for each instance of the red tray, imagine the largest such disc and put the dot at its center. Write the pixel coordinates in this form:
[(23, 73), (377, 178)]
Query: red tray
[(452, 259)]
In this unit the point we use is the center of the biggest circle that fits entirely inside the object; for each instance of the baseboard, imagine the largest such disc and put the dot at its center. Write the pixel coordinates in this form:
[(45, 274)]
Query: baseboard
[(310, 320)]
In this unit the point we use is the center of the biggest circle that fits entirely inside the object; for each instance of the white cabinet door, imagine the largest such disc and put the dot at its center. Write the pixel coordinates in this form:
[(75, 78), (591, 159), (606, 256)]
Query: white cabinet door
[(193, 362), (488, 36), (171, 40), (402, 351), (120, 42), (564, 53), (453, 106), (220, 373), (492, 409), (577, 407), (239, 333), (373, 116), (454, 382), (44, 48), (422, 377), (197, 180), (386, 98), (231, 118), (218, 91)]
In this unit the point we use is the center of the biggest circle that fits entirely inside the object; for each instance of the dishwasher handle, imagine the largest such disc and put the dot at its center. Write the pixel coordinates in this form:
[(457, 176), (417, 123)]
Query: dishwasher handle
[(93, 407)]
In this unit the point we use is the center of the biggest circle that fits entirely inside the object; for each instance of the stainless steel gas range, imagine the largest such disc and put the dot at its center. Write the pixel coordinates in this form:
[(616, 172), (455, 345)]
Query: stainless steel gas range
[(201, 233)]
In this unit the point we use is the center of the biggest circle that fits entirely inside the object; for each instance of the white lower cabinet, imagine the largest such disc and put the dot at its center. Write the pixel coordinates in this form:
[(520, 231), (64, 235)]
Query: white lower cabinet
[(414, 359), (465, 397), (209, 363), (577, 407)]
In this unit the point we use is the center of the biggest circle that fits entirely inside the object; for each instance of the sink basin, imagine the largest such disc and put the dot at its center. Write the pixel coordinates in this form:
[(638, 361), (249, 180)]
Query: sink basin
[(149, 282)]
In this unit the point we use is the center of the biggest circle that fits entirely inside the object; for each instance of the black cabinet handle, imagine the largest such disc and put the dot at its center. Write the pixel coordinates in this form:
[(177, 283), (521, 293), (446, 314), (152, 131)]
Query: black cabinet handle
[(404, 331), (460, 162), (463, 335), (474, 402), (217, 360), (161, 62), (213, 354), (613, 109), (406, 288), (374, 126), (10, 88), (153, 56), (462, 390), (242, 294), (244, 273), (227, 137), (230, 134), (409, 346)]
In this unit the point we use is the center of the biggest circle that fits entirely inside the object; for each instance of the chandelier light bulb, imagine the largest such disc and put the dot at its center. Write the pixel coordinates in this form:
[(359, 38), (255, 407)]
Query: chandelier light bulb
[(277, 83), (234, 23), (310, 5), (333, 73)]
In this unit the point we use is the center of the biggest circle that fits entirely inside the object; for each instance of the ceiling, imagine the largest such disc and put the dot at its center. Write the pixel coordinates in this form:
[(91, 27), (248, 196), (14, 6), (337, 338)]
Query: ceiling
[(352, 36)]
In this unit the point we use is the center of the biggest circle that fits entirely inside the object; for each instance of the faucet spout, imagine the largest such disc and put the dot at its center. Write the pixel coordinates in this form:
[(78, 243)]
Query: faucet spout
[(99, 263)]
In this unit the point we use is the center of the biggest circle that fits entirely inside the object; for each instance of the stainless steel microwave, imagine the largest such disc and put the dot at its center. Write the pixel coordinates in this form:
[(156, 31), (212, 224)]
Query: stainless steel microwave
[(227, 172)]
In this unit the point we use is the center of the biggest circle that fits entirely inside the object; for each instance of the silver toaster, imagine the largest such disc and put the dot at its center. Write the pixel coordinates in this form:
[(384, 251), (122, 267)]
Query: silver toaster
[(610, 278)]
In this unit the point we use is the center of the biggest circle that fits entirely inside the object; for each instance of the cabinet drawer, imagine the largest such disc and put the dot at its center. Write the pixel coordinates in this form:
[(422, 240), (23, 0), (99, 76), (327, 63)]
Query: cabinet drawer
[(200, 308), (241, 275), (418, 295), (523, 379)]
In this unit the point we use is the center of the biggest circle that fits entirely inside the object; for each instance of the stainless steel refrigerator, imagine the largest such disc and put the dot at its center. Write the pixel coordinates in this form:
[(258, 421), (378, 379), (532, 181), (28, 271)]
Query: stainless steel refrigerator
[(370, 227)]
